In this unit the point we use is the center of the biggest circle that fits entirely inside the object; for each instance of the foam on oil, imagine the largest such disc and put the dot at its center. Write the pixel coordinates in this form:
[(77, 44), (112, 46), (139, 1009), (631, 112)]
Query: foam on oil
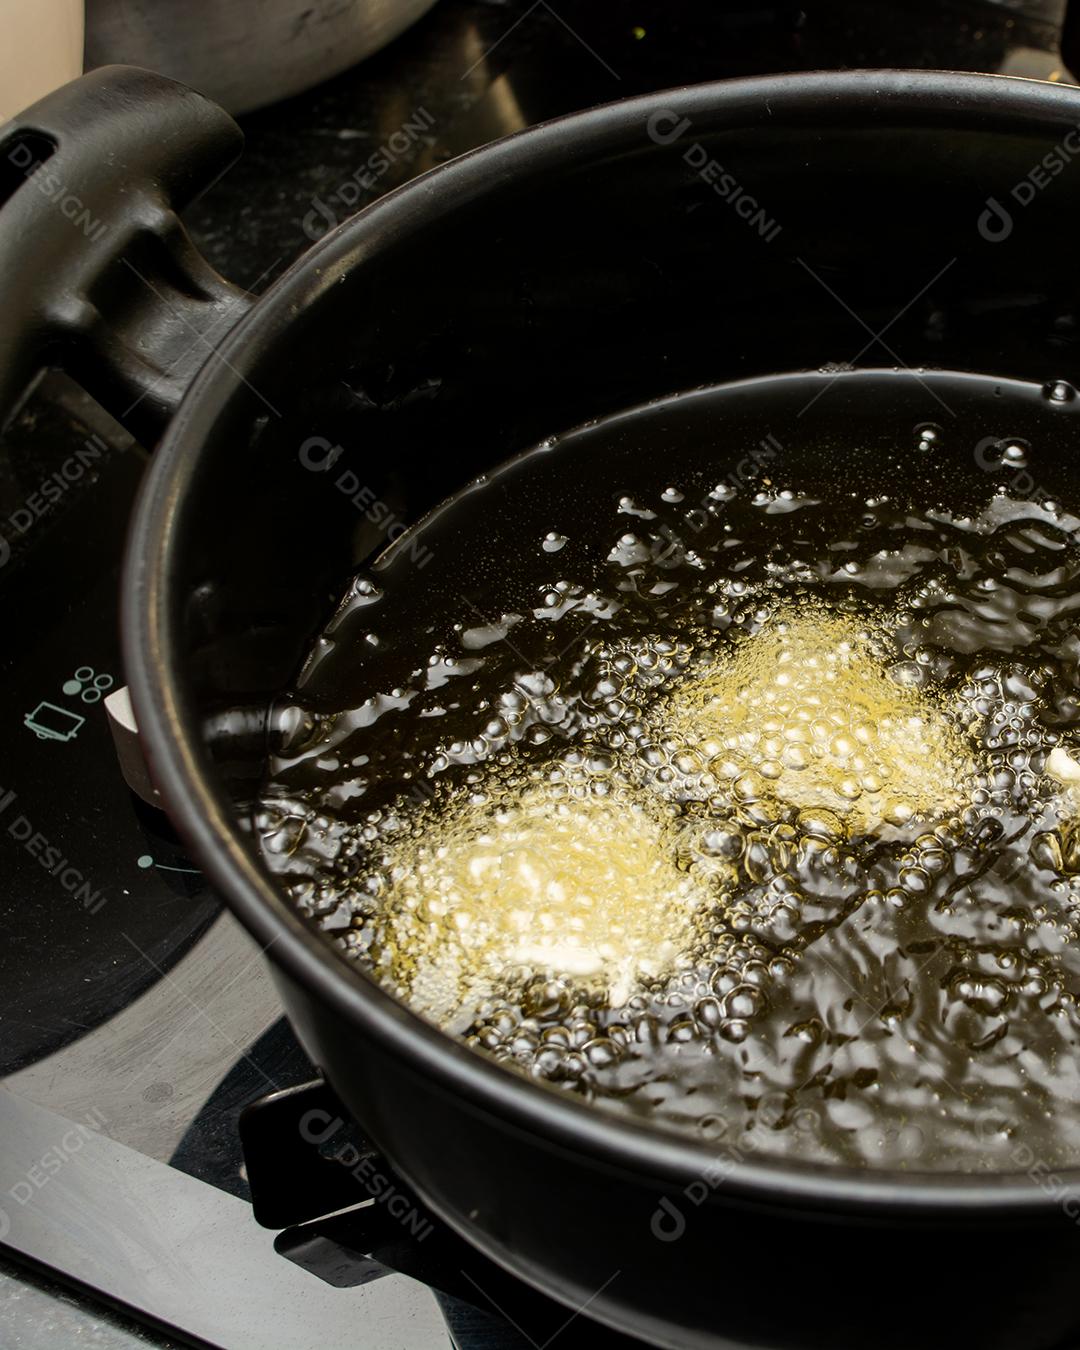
[(748, 806)]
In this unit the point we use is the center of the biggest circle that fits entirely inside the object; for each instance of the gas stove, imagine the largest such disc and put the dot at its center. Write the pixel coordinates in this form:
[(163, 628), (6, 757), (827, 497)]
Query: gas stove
[(153, 1186)]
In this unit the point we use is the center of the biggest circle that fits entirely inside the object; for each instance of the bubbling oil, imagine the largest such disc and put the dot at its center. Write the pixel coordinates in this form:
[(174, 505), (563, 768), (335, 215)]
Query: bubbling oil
[(807, 713), (578, 882), (750, 807)]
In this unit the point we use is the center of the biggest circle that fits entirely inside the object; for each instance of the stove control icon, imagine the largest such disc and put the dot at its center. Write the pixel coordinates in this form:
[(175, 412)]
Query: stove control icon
[(88, 685), (50, 723)]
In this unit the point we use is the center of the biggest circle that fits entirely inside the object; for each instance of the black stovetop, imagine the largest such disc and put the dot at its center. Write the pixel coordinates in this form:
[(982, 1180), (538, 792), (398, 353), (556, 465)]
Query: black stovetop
[(136, 1020)]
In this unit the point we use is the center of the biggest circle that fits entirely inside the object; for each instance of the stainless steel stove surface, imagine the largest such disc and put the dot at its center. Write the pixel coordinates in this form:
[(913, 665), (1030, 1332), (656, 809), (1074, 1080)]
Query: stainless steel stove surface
[(136, 1019)]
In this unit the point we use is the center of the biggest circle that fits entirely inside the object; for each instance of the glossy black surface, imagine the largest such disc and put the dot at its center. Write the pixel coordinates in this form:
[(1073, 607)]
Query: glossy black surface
[(90, 910)]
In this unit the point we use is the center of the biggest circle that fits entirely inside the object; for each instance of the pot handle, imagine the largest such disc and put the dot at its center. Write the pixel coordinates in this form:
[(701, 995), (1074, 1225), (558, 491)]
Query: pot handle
[(97, 275)]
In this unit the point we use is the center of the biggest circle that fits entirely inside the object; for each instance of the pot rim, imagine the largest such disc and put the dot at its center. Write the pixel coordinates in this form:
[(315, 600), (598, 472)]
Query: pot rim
[(186, 778)]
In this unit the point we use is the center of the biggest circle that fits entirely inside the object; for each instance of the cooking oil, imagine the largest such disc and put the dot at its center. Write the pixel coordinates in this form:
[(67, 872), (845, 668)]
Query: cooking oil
[(742, 799)]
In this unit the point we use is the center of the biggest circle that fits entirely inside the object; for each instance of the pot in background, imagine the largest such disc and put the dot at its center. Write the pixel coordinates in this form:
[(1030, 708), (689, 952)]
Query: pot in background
[(245, 55)]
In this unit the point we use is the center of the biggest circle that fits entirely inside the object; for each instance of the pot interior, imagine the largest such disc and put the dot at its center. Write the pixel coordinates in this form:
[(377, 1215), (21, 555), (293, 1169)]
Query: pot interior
[(482, 312)]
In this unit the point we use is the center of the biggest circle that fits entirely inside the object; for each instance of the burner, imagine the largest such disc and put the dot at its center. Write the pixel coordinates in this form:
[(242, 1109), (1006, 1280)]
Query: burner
[(306, 1163)]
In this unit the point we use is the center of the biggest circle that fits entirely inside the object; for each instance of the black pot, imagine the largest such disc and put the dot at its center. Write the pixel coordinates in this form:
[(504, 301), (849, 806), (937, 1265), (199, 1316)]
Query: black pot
[(580, 267)]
